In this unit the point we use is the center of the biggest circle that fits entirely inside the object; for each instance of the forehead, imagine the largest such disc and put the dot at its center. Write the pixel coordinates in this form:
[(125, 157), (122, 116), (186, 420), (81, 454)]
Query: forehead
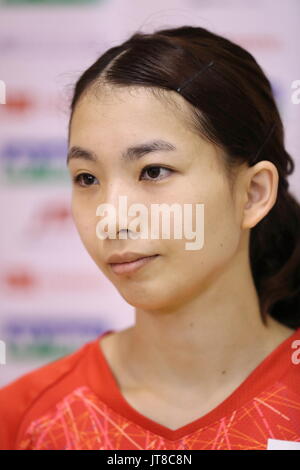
[(129, 110), (114, 119)]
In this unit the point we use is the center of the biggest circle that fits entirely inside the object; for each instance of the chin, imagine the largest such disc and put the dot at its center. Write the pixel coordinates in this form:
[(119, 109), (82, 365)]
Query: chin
[(148, 299)]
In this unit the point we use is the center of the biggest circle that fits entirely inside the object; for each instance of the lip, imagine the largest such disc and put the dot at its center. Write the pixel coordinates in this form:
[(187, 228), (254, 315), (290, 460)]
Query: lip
[(131, 266), (126, 257)]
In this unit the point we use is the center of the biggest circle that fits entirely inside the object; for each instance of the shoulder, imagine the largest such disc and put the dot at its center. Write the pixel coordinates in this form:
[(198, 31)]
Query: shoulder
[(286, 360), (26, 393), (292, 376)]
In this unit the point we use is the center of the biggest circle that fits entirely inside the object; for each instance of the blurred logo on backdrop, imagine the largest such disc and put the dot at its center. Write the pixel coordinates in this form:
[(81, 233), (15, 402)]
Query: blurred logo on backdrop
[(34, 161), (49, 338), (19, 279), (23, 103), (50, 2)]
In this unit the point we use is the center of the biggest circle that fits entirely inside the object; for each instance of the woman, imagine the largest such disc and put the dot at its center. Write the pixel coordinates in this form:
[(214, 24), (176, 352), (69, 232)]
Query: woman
[(181, 116)]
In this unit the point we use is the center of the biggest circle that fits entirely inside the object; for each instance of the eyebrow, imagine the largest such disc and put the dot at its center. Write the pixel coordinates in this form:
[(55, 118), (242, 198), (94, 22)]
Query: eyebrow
[(131, 153)]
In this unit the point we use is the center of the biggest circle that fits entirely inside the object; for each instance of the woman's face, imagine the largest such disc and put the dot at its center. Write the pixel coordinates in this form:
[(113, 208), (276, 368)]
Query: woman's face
[(192, 174)]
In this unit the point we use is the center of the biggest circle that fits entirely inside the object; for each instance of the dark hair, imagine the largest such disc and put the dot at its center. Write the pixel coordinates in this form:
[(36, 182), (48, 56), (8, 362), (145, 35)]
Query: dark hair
[(232, 105)]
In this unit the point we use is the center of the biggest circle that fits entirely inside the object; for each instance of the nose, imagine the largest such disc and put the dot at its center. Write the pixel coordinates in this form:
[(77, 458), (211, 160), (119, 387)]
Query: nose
[(113, 213)]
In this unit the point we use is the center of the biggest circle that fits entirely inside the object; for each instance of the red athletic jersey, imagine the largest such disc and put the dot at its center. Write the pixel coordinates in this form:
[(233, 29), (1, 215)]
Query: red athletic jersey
[(75, 403)]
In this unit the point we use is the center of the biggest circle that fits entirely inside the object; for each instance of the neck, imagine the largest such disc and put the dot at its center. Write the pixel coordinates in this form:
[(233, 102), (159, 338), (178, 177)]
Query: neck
[(213, 339)]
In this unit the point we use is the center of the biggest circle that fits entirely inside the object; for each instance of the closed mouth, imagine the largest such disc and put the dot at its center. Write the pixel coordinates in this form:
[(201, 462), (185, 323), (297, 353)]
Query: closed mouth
[(131, 266)]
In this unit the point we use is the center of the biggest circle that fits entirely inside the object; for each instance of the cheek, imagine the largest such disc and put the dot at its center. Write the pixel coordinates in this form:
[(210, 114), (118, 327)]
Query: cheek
[(85, 222), (221, 226), (221, 241)]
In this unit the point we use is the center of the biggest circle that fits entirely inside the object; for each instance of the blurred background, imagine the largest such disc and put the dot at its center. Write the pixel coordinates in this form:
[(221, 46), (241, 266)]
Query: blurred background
[(53, 297)]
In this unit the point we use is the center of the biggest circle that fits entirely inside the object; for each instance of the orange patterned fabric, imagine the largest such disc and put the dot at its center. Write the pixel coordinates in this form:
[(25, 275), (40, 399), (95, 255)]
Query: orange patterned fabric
[(74, 403)]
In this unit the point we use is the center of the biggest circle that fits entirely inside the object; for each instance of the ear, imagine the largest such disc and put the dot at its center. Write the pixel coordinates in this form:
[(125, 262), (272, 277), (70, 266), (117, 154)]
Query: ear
[(260, 193)]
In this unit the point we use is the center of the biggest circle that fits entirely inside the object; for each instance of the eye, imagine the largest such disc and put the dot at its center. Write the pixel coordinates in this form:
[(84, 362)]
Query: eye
[(153, 171), (87, 177)]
